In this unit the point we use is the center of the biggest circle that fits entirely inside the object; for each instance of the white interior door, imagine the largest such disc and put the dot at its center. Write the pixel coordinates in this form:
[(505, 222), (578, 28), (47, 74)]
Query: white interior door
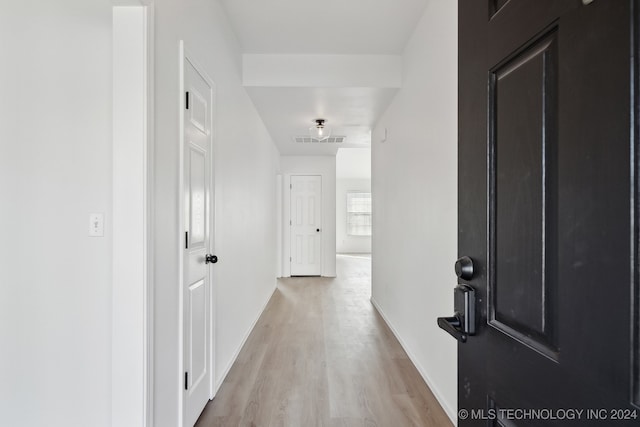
[(306, 225), (197, 210)]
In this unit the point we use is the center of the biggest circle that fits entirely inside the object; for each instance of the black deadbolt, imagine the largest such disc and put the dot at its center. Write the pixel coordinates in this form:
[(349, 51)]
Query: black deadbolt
[(464, 268)]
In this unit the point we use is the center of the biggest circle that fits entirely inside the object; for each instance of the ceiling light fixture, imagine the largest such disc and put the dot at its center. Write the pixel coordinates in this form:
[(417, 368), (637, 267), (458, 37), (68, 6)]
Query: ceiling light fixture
[(319, 131)]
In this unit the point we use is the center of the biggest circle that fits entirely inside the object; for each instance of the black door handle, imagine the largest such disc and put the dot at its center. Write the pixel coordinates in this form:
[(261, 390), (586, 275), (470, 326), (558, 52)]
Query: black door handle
[(463, 322), (317, 230), (210, 259), (452, 325)]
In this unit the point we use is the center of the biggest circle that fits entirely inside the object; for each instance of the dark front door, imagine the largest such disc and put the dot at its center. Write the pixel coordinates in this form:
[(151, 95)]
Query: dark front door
[(548, 212)]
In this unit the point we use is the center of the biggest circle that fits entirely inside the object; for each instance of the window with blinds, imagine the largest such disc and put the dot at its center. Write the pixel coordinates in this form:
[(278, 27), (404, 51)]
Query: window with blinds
[(358, 214)]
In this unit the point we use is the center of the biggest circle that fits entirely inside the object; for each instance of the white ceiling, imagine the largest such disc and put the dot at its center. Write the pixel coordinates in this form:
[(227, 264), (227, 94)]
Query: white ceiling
[(350, 112), (328, 27), (324, 26)]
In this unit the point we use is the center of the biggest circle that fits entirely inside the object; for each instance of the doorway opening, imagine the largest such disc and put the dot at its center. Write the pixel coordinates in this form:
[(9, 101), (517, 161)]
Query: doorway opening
[(354, 204)]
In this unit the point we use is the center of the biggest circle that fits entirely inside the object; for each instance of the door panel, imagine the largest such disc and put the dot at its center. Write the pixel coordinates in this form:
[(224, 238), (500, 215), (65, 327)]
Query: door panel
[(197, 332), (197, 198), (547, 175), (523, 108), (198, 110), (197, 205), (306, 225), (519, 21)]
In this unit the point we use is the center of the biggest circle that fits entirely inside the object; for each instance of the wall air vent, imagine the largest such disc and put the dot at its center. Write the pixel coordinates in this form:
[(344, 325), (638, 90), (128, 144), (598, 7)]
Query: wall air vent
[(308, 140)]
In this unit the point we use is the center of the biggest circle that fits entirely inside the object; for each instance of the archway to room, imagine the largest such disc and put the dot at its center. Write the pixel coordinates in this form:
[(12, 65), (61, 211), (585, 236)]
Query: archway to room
[(354, 212)]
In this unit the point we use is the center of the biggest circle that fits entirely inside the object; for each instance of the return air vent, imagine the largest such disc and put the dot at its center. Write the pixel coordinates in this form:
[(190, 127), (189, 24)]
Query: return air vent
[(308, 140)]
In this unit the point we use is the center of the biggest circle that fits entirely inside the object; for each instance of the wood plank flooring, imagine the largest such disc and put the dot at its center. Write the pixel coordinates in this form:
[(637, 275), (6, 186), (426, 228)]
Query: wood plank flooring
[(321, 355)]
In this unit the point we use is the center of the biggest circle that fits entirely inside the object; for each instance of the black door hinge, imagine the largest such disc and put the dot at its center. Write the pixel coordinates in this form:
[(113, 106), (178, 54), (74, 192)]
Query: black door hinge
[(186, 101), (186, 380), (186, 240)]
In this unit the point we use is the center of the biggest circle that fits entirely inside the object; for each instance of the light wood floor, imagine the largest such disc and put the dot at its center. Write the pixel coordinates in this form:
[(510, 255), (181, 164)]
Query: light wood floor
[(321, 355)]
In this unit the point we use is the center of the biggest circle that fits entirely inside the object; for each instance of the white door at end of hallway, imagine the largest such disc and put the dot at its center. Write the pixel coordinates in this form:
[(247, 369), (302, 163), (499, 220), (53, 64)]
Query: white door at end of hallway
[(197, 210), (306, 225)]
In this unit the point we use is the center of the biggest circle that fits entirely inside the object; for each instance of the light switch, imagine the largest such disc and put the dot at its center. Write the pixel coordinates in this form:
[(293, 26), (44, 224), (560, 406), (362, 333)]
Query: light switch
[(96, 225)]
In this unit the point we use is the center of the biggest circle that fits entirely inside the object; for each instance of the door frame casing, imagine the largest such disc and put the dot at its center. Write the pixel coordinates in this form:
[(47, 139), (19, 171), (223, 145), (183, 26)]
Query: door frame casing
[(185, 55), (133, 239), (635, 201), (279, 225)]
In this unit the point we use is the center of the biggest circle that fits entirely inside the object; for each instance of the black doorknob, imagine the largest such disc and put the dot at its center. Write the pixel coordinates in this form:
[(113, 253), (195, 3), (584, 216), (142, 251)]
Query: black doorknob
[(318, 230), (464, 268), (210, 259)]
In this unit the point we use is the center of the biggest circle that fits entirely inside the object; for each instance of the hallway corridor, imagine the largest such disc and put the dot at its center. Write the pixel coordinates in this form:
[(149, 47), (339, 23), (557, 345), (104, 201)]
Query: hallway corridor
[(321, 355)]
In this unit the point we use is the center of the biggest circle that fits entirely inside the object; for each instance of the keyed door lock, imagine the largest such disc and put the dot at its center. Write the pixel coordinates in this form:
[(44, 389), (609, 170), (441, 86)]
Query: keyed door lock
[(463, 322)]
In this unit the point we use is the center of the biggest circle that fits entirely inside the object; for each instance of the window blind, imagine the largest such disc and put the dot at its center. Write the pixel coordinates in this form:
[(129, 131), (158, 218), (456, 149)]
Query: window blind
[(358, 214)]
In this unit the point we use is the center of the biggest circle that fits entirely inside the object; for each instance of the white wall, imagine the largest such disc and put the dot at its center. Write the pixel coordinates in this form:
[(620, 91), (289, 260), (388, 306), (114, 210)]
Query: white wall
[(415, 201), (353, 173), (345, 243), (312, 165), (246, 164), (353, 163), (55, 169)]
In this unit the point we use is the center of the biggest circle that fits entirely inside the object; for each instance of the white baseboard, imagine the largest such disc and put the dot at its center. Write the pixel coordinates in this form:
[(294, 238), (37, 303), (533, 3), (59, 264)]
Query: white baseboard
[(451, 412), (244, 340)]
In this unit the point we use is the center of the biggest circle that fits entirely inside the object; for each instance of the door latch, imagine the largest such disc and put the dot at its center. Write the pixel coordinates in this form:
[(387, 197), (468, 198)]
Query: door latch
[(463, 322)]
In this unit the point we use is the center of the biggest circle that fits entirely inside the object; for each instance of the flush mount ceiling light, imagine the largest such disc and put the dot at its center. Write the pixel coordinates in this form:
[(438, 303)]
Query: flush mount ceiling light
[(319, 131)]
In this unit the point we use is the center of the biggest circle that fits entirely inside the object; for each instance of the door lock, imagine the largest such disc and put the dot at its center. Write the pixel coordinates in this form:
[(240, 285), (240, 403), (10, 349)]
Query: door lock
[(210, 259), (463, 322), (464, 268)]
